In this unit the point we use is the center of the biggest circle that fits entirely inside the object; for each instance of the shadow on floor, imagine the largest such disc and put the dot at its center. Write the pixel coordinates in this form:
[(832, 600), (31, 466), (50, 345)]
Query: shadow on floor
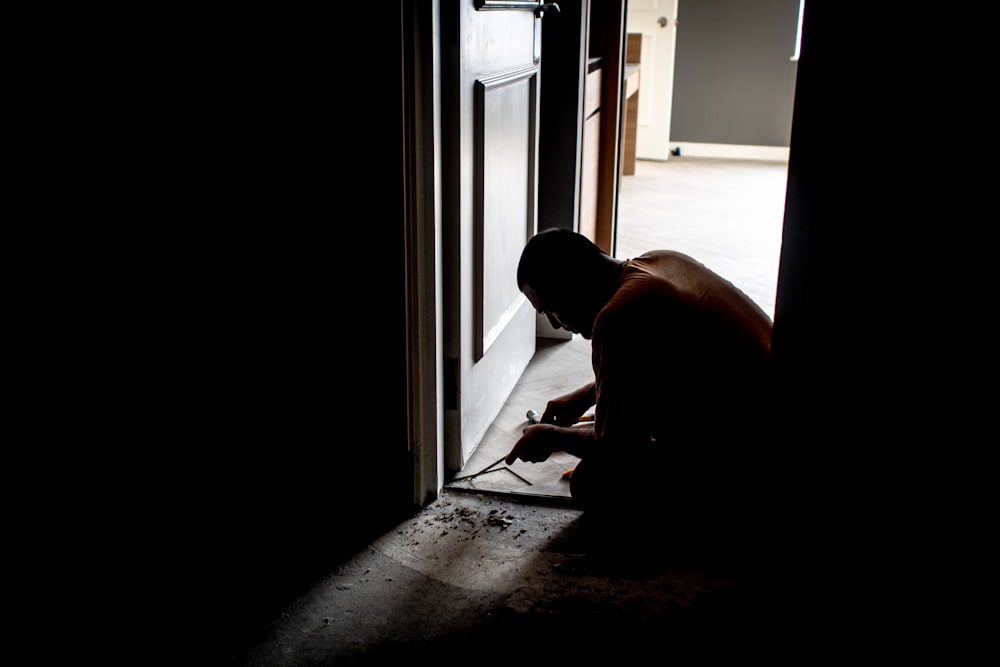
[(492, 580)]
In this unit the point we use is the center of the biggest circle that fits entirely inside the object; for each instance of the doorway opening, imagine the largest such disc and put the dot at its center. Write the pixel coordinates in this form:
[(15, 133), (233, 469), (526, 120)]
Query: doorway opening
[(726, 213)]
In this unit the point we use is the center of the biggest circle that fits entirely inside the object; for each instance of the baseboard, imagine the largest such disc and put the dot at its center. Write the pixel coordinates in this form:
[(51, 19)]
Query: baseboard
[(731, 151)]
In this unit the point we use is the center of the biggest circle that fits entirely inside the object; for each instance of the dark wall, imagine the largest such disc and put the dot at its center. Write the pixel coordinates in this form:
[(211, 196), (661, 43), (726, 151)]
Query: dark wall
[(275, 418), (865, 351), (734, 82), (846, 317)]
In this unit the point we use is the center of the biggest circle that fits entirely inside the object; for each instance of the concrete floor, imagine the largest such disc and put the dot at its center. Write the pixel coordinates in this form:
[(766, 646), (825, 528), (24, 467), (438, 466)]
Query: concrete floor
[(492, 581)]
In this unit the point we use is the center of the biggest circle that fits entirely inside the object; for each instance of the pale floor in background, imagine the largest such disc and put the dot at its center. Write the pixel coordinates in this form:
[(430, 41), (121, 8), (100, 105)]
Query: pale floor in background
[(727, 214)]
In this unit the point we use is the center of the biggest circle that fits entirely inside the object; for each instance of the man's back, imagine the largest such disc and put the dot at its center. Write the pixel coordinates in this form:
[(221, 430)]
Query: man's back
[(678, 347)]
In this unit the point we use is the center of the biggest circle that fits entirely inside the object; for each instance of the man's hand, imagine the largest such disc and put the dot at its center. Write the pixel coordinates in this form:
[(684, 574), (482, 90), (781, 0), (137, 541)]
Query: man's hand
[(539, 441), (535, 445)]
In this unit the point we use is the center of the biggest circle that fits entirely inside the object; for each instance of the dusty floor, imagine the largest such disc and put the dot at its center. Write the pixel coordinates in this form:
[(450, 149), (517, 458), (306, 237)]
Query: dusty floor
[(491, 580)]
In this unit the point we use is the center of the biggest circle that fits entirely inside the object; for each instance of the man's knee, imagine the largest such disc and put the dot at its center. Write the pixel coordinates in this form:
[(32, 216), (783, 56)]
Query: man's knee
[(611, 488)]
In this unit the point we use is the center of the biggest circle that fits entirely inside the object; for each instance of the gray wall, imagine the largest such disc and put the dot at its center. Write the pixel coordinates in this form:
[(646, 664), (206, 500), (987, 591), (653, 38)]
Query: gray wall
[(734, 82)]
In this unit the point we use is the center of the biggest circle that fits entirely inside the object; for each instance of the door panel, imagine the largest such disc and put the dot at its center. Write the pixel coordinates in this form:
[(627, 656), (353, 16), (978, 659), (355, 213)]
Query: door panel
[(505, 175), (489, 135)]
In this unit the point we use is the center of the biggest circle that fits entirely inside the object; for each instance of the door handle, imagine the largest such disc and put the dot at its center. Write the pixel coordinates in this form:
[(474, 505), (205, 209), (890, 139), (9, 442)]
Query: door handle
[(541, 9)]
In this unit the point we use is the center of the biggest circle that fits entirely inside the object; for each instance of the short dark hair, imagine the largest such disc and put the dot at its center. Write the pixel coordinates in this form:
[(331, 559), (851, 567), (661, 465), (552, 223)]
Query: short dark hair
[(553, 254)]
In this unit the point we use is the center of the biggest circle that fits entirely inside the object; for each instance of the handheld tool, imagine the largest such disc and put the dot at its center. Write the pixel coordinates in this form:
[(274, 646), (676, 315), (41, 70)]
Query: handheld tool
[(492, 468), (534, 418), (487, 469)]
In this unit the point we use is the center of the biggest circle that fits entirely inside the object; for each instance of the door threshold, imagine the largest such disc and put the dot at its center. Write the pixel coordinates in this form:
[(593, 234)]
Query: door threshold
[(557, 500)]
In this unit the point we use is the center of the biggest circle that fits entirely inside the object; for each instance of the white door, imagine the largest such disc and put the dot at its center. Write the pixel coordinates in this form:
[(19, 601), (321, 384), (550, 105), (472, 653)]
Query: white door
[(491, 67), (656, 21)]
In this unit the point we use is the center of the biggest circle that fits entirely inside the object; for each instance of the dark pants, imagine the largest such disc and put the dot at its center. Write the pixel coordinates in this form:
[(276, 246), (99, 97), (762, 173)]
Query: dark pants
[(662, 500)]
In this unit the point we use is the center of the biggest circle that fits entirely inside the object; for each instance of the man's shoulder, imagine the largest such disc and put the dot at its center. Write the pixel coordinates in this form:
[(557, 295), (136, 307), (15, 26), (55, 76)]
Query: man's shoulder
[(664, 256), (649, 276)]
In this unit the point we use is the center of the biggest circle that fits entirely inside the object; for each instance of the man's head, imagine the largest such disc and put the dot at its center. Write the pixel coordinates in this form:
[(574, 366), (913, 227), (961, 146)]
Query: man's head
[(567, 277)]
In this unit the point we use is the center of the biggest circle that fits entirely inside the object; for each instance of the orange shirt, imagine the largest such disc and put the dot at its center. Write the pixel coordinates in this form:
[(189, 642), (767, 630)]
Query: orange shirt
[(679, 351)]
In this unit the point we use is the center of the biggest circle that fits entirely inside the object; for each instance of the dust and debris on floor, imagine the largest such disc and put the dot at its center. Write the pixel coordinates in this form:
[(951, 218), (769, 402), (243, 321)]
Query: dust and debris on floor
[(493, 576)]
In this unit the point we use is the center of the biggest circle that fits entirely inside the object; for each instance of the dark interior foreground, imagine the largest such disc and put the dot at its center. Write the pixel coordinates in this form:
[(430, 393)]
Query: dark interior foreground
[(280, 424)]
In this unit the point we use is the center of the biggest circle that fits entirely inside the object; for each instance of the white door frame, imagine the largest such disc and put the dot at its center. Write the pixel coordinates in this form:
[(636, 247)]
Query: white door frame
[(656, 21)]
